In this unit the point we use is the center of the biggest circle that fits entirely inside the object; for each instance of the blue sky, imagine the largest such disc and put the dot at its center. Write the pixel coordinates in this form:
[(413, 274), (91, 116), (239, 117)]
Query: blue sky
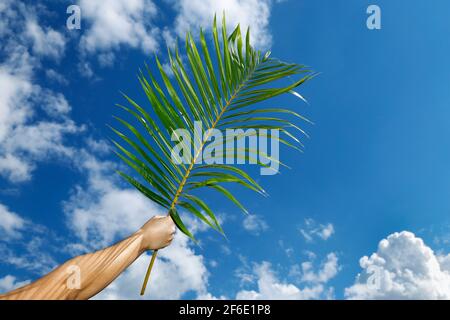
[(376, 166)]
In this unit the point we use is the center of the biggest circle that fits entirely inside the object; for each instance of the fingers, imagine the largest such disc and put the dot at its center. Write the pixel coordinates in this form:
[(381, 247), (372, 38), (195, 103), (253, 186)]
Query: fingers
[(168, 241), (173, 230), (172, 233), (159, 232), (170, 224)]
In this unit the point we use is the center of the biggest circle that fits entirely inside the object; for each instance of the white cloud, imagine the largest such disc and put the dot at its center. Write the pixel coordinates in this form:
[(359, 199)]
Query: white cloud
[(24, 139), (106, 59), (40, 138), (403, 267), (195, 224), (270, 287), (96, 212), (213, 263), (225, 250), (99, 147), (13, 168), (15, 89), (85, 70), (209, 296), (46, 42), (312, 230), (31, 254), (56, 77), (103, 220), (193, 14), (254, 224), (55, 104), (11, 224), (287, 249), (444, 261), (10, 282), (111, 24), (26, 245), (328, 270)]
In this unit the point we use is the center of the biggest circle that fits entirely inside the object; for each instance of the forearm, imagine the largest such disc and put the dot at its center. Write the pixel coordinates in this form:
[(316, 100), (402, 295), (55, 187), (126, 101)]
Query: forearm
[(84, 276)]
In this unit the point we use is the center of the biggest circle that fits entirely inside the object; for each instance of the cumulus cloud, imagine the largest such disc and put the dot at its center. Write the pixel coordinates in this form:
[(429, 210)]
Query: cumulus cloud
[(254, 224), (328, 270), (11, 224), (403, 267), (312, 230), (192, 14), (270, 287), (112, 24)]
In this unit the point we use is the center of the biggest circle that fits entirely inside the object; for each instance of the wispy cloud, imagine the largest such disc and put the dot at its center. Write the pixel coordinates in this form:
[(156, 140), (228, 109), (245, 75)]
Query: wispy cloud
[(254, 224), (11, 223), (311, 230), (45, 42), (27, 245)]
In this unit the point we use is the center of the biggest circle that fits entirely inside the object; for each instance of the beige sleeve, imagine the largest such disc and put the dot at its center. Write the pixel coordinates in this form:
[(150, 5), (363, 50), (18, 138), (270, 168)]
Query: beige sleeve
[(84, 276)]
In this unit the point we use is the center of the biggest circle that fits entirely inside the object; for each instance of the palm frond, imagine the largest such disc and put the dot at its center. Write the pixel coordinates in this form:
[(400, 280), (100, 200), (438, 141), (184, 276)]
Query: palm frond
[(219, 85)]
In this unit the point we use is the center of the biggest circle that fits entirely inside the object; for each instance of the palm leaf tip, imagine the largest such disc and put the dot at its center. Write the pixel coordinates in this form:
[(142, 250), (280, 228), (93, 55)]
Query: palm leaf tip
[(221, 84)]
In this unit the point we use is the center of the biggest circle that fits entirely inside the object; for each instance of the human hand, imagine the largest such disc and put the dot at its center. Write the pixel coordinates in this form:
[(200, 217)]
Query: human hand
[(158, 232)]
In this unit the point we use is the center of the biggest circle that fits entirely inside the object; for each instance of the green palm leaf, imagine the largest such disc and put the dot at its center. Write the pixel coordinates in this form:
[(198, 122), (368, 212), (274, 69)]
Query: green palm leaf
[(219, 85)]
